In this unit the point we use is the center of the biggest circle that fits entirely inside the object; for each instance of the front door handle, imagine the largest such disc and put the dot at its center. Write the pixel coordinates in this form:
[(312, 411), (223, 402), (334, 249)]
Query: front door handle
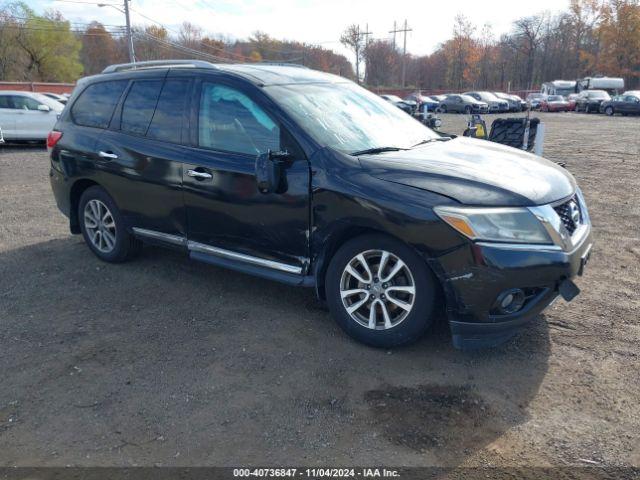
[(107, 155), (199, 175)]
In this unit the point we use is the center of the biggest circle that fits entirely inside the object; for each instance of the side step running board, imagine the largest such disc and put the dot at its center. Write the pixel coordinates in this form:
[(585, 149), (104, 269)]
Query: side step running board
[(273, 270)]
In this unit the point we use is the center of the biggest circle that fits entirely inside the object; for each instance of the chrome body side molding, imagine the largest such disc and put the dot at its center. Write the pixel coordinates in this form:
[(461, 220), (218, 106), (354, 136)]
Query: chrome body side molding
[(163, 237), (241, 257)]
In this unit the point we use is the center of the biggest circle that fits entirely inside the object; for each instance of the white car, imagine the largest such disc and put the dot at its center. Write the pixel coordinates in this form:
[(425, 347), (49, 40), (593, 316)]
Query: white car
[(26, 115)]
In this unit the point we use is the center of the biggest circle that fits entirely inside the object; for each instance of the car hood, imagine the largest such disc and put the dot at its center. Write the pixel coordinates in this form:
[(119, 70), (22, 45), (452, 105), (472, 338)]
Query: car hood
[(474, 172)]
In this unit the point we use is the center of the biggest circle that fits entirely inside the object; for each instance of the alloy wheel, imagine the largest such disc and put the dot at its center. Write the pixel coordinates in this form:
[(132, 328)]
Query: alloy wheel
[(100, 225), (377, 289)]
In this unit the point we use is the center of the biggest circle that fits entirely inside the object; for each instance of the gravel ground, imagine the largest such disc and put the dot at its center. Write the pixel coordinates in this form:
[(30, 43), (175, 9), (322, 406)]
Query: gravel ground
[(165, 361)]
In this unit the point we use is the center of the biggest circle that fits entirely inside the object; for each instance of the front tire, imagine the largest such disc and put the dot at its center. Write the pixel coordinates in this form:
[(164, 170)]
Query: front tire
[(609, 111), (103, 228), (380, 291), (443, 108)]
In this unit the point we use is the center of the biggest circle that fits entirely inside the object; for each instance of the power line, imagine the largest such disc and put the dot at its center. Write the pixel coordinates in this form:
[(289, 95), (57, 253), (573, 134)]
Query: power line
[(183, 48), (213, 47), (97, 4), (49, 21), (75, 32)]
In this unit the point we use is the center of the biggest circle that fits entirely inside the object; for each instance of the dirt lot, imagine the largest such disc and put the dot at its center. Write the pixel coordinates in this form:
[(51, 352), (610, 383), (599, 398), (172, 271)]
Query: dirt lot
[(165, 361)]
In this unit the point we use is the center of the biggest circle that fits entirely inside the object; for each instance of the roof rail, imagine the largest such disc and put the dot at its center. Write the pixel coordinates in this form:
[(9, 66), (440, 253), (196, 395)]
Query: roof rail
[(280, 64), (158, 64)]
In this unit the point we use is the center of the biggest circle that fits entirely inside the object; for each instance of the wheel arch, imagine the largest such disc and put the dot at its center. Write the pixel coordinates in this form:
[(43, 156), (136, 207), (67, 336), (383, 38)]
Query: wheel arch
[(331, 245), (76, 191)]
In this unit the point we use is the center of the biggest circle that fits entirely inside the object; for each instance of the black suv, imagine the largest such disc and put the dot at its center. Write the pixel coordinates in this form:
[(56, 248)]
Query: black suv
[(306, 178)]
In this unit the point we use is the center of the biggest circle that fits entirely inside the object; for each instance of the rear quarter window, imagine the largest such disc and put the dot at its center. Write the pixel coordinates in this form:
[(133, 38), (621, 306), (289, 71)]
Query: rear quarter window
[(138, 108), (97, 102), (166, 124)]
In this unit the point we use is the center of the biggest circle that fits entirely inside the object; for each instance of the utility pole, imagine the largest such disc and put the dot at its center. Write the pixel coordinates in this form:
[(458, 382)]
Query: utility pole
[(132, 56), (365, 34), (404, 47), (394, 34), (404, 52)]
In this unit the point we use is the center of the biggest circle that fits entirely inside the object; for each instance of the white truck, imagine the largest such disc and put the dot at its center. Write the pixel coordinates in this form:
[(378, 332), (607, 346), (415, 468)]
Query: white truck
[(611, 85)]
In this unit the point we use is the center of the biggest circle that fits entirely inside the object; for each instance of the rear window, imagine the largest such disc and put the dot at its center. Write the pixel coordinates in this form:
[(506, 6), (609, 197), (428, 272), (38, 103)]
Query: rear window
[(166, 124), (96, 104), (139, 106), (5, 102)]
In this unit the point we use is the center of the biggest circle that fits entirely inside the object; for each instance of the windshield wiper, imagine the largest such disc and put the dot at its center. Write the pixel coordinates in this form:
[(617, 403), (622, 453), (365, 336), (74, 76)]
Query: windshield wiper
[(372, 151), (429, 140)]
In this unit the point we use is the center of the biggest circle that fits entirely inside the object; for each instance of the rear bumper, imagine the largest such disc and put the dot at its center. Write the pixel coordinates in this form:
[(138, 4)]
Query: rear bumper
[(476, 275)]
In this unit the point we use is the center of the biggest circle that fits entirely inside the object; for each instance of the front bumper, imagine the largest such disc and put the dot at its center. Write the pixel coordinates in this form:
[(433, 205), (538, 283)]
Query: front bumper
[(475, 275)]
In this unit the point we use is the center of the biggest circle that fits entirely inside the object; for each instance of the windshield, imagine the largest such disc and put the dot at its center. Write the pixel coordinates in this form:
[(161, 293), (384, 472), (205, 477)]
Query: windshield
[(599, 94), (555, 98), (392, 98), (468, 99), (348, 118)]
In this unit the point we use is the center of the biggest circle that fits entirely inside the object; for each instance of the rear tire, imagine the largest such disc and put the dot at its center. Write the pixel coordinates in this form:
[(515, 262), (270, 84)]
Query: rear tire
[(381, 307), (103, 228)]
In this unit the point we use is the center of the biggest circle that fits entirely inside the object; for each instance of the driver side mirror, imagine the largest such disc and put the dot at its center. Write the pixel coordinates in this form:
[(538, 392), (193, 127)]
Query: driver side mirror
[(43, 108), (269, 171)]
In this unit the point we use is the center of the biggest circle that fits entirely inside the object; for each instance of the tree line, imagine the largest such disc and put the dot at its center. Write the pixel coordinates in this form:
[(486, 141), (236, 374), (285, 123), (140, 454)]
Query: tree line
[(50, 48), (591, 37)]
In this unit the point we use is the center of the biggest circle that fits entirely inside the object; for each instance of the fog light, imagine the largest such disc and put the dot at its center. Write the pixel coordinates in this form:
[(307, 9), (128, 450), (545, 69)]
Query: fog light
[(510, 301)]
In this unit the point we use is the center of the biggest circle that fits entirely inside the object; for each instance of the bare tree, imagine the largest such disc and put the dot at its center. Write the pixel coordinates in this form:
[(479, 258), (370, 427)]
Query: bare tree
[(352, 39), (526, 38)]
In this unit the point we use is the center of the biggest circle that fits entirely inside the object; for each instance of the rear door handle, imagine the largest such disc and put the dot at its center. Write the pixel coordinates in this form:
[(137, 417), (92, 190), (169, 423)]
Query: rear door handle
[(107, 155), (199, 175)]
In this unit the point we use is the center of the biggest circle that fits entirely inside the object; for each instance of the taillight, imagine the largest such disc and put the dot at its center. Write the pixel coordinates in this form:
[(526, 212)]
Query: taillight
[(53, 138)]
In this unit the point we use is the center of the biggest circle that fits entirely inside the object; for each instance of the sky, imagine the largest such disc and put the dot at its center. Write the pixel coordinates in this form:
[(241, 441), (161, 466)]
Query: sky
[(313, 21)]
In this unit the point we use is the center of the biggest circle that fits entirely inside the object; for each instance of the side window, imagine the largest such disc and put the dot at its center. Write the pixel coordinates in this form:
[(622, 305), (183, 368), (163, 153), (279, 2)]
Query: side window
[(25, 103), (138, 108), (95, 105), (229, 120), (166, 124)]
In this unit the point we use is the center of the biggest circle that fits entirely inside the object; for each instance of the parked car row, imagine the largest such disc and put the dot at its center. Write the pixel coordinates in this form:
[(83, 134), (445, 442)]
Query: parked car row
[(468, 102), (588, 101)]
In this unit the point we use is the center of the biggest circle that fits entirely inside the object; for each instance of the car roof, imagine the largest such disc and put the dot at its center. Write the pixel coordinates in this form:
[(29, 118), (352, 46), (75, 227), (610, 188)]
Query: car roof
[(261, 74), (17, 92)]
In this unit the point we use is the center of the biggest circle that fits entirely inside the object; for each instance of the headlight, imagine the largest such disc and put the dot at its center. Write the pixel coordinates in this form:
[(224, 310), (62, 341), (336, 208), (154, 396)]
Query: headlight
[(517, 225)]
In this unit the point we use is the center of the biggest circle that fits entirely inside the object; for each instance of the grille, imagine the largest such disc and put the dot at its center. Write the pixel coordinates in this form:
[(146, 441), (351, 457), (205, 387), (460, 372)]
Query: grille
[(566, 213)]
